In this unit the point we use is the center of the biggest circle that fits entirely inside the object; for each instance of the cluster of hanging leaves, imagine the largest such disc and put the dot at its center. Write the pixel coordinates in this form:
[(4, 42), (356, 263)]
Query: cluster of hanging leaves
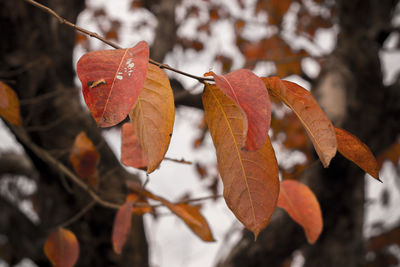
[(121, 83)]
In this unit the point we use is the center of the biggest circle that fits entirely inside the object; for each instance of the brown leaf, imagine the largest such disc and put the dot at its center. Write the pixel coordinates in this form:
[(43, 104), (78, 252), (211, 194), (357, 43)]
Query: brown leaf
[(318, 126), (356, 151), (84, 158), (275, 9), (112, 81), (9, 105), (302, 205), (3, 96), (132, 153), (122, 226), (248, 91), (251, 183), (153, 116), (62, 248)]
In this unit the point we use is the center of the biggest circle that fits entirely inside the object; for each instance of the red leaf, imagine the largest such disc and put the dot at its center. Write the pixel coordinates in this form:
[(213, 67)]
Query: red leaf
[(249, 92), (302, 205), (62, 248), (132, 153), (356, 151), (84, 158), (9, 105), (112, 80), (122, 226)]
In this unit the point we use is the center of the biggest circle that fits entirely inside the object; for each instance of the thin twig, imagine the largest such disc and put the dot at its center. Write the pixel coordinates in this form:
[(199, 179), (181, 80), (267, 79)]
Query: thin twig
[(114, 45), (46, 157), (182, 161), (78, 215)]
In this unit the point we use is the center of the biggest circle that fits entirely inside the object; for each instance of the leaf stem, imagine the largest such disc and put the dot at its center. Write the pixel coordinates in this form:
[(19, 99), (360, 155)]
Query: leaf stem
[(62, 20)]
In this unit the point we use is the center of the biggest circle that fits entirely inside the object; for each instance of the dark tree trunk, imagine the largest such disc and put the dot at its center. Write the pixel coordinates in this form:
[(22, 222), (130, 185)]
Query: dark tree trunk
[(340, 188), (36, 61)]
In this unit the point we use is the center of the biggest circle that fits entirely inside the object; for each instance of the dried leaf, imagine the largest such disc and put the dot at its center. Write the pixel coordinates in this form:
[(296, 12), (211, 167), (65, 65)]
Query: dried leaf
[(153, 116), (275, 9), (132, 153), (9, 105), (356, 151), (248, 91), (392, 153), (112, 81), (62, 248), (302, 206), (318, 126), (192, 217), (189, 214), (139, 199), (84, 158), (3, 96), (122, 226), (251, 183)]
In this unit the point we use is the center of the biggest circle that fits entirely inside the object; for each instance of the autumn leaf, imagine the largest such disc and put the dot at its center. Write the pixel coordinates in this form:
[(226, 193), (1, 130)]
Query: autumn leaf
[(112, 81), (248, 91), (302, 206), (275, 9), (84, 158), (189, 214), (62, 248), (356, 151), (9, 105), (139, 199), (392, 154), (132, 153), (153, 116), (317, 125), (122, 226), (250, 178), (192, 217), (3, 96)]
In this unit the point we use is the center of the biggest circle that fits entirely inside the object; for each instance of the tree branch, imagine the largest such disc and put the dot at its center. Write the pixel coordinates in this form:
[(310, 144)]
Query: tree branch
[(97, 36)]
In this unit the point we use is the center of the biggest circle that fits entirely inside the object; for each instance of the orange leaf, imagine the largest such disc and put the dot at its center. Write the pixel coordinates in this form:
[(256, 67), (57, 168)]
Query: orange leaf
[(3, 96), (132, 153), (84, 158), (192, 217), (302, 205), (153, 116), (356, 151), (9, 105), (189, 214), (318, 126), (62, 248), (392, 153), (251, 183), (136, 198), (248, 91), (122, 226), (112, 81)]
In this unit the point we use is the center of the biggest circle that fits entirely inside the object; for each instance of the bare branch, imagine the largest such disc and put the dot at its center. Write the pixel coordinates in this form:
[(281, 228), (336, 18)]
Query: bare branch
[(97, 36)]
